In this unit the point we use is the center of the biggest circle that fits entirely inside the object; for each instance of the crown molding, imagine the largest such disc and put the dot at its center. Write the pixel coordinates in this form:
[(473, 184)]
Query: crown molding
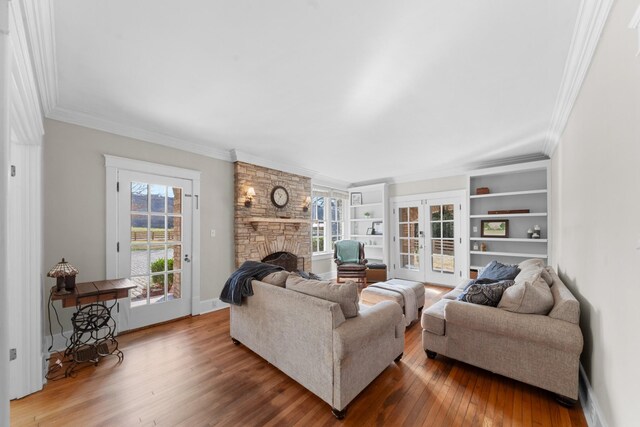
[(99, 123), (635, 25), (462, 169), (592, 16), (39, 25)]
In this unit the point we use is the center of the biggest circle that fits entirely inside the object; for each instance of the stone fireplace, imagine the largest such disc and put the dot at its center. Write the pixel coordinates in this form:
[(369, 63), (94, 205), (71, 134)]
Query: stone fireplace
[(263, 231)]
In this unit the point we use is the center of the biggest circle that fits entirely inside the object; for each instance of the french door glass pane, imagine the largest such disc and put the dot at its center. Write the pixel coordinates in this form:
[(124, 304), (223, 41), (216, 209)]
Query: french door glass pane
[(156, 267), (442, 238)]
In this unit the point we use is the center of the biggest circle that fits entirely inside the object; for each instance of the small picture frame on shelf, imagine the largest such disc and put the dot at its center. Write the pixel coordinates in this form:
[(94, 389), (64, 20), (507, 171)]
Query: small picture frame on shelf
[(494, 228), (369, 231), (356, 199), (377, 231)]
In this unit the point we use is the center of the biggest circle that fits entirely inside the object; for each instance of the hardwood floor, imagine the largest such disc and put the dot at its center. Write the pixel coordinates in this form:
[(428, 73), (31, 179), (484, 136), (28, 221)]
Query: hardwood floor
[(188, 373)]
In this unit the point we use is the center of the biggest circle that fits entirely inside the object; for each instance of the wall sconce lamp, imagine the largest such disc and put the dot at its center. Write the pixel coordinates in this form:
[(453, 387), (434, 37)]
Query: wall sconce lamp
[(305, 205), (249, 195), (65, 275)]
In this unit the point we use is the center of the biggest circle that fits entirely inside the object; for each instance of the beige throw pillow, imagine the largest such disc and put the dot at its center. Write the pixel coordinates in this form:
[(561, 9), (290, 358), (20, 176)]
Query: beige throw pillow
[(277, 278), (531, 296), (345, 294)]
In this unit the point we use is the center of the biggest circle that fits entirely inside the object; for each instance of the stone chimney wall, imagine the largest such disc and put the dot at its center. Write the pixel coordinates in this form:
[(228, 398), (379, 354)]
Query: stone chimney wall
[(252, 244)]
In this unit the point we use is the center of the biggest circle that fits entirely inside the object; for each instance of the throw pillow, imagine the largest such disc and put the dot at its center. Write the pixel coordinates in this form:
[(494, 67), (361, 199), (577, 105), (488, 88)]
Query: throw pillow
[(345, 294), (532, 262), (277, 278), (530, 297), (498, 271), (485, 294)]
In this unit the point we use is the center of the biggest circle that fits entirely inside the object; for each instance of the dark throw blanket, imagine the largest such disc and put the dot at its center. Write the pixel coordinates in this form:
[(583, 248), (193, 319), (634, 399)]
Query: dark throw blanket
[(239, 283)]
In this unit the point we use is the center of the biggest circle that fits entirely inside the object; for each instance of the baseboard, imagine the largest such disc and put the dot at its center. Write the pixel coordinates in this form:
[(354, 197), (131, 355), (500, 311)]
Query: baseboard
[(589, 402), (210, 305)]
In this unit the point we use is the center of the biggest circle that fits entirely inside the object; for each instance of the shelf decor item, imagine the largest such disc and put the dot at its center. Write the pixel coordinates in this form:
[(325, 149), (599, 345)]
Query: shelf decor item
[(483, 247), (494, 228), (367, 215), (356, 199), (374, 230), (482, 190), (530, 233)]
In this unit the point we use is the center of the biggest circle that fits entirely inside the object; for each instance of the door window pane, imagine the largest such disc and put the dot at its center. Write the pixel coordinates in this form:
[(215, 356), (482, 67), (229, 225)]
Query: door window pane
[(404, 212), (158, 198), (139, 197)]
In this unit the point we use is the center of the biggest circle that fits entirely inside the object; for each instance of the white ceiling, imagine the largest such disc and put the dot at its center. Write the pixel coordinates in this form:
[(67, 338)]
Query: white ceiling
[(355, 90)]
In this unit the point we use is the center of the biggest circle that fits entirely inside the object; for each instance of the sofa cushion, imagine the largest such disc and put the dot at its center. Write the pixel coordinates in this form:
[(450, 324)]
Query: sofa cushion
[(345, 294), (531, 296), (277, 278), (565, 306), (547, 276), (485, 294), (498, 271), (433, 317)]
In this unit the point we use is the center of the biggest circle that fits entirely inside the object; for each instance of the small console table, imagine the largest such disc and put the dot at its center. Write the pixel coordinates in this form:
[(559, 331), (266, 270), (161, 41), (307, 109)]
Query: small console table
[(94, 327)]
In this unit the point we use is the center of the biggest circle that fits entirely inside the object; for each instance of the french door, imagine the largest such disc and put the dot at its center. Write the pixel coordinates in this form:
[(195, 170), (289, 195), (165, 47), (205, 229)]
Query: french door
[(428, 240), (154, 239)]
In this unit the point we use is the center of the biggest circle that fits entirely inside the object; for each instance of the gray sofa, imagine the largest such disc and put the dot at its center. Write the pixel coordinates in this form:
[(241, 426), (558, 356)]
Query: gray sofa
[(309, 339), (538, 349)]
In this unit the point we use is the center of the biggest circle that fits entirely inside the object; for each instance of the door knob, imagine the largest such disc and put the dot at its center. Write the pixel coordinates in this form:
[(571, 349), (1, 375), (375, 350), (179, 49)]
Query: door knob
[(186, 258)]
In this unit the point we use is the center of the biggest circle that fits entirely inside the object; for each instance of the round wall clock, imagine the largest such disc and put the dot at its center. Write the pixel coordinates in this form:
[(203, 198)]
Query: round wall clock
[(279, 196)]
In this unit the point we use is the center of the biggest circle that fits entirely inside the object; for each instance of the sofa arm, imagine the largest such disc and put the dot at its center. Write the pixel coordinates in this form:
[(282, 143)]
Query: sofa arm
[(370, 325), (558, 334)]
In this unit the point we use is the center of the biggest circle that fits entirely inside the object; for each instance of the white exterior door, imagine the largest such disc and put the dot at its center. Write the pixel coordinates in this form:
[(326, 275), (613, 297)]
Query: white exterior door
[(409, 241), (428, 239), (154, 247)]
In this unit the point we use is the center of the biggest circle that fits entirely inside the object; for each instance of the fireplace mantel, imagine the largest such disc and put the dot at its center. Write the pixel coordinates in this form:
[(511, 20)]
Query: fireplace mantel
[(255, 221)]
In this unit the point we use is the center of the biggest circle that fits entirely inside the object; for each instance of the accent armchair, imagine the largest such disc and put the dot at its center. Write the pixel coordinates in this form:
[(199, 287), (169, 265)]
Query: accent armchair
[(349, 257)]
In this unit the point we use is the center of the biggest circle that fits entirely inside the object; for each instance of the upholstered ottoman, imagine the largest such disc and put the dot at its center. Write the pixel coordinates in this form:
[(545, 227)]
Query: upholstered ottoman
[(372, 295), (382, 292), (418, 288)]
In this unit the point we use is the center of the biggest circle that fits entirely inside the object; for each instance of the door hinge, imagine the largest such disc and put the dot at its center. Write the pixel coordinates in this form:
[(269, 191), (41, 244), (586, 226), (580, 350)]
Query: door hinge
[(118, 186), (118, 247), (13, 170), (461, 240), (394, 238), (13, 354)]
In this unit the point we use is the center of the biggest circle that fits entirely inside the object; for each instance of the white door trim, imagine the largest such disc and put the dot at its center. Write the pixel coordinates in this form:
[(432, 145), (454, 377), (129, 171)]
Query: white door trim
[(112, 165)]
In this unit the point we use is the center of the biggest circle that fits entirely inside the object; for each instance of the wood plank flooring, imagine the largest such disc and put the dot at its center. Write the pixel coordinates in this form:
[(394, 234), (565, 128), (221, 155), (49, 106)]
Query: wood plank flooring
[(188, 373)]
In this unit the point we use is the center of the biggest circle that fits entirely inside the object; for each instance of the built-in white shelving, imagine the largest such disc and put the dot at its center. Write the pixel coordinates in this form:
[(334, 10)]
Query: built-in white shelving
[(374, 202), (522, 215), (513, 187)]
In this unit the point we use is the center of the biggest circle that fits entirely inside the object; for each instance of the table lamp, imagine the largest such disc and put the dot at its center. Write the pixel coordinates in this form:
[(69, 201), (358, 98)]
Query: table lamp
[(65, 275)]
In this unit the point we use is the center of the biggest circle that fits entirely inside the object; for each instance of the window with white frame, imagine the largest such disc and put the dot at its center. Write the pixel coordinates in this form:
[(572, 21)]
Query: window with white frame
[(327, 219)]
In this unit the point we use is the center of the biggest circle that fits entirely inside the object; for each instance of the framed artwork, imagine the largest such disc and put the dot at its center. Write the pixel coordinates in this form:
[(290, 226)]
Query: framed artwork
[(356, 199), (369, 231), (494, 228), (378, 230)]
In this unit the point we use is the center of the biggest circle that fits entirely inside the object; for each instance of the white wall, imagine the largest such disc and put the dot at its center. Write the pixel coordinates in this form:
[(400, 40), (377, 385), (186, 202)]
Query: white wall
[(596, 207), (457, 182), (74, 202)]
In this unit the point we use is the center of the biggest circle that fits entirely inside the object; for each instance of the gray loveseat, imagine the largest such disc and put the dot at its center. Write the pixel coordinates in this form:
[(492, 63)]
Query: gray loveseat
[(309, 339), (541, 350)]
